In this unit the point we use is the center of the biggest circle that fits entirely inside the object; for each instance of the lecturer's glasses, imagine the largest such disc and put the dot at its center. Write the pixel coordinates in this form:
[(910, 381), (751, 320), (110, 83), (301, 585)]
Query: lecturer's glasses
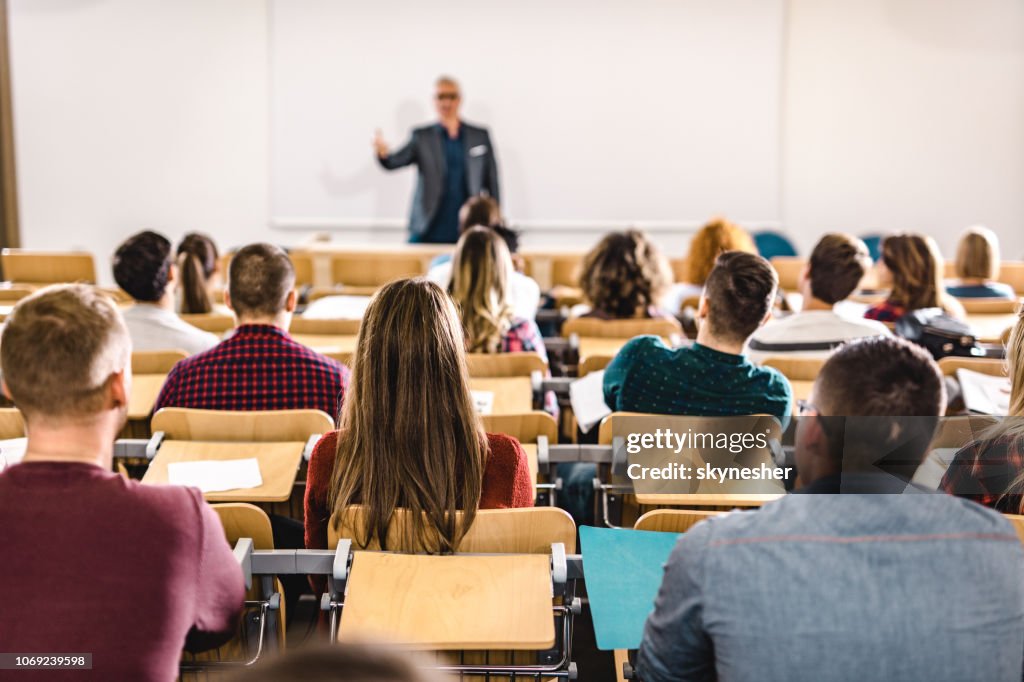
[(441, 96)]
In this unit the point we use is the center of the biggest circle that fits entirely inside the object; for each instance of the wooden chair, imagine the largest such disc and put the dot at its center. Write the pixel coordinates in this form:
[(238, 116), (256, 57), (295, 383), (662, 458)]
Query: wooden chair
[(216, 323), (552, 270), (990, 306), (991, 366), (494, 365), (533, 430), (335, 338), (155, 361), (10, 295), (680, 269), (1018, 524), (47, 267), (255, 426), (788, 269), (149, 371), (511, 379), (364, 273), (1012, 273), (303, 264), (594, 363), (12, 424), (672, 520), (956, 432), (621, 329), (801, 373)]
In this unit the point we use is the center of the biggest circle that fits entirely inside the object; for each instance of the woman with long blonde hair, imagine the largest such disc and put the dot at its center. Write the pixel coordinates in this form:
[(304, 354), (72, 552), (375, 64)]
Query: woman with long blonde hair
[(912, 267), (990, 470), (410, 437)]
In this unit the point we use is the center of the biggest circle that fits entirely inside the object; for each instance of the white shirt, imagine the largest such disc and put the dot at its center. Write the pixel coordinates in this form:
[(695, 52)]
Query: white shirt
[(523, 292), (812, 326), (154, 328), (339, 307)]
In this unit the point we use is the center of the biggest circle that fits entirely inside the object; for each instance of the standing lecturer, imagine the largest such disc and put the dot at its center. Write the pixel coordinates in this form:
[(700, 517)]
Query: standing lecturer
[(455, 160)]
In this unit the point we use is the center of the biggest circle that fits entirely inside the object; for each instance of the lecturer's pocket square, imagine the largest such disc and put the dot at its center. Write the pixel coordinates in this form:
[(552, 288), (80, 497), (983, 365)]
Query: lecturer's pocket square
[(478, 150)]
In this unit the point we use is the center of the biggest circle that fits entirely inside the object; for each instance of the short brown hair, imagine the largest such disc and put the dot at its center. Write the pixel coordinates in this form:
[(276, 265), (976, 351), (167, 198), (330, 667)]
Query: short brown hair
[(59, 348), (740, 291), (977, 254), (624, 274), (260, 277), (837, 266)]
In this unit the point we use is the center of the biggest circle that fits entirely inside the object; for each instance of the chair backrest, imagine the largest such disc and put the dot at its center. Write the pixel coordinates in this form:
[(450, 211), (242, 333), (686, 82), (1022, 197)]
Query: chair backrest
[(156, 361), (989, 306), (12, 294), (796, 369), (1012, 273), (553, 269), (525, 427), (594, 363), (788, 269), (494, 531), (956, 432), (679, 269), (217, 323), (243, 520), (12, 424), (771, 244), (326, 327), (483, 365), (991, 366), (261, 426), (368, 270), (621, 329), (48, 267), (672, 520), (303, 264), (1018, 524)]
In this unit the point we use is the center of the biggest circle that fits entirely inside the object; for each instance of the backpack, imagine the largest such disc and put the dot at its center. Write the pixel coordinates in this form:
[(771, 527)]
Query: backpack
[(939, 333)]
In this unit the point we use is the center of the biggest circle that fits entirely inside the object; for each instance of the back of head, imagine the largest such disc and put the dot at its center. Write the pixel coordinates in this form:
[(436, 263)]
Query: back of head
[(882, 397), (624, 274), (260, 277), (1015, 366), (740, 291), (341, 662), (59, 348), (197, 261), (142, 266), (479, 210), (916, 267), (410, 434), (715, 238), (480, 274), (837, 266), (977, 254)]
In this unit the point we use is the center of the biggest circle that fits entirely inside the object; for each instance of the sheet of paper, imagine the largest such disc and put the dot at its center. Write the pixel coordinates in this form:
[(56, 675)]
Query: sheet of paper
[(216, 475), (983, 393), (11, 451), (484, 401), (587, 398)]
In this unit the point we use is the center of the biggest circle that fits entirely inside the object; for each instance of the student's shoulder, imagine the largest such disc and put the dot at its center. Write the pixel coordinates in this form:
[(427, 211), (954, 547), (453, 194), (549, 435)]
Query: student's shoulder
[(646, 345), (503, 446)]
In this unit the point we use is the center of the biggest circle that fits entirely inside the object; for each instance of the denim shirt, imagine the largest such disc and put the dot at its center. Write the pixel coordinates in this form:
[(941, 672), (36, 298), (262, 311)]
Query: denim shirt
[(842, 587)]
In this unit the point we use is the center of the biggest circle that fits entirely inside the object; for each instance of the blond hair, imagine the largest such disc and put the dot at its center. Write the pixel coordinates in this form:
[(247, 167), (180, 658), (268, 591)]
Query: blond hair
[(59, 349), (714, 239), (480, 273), (977, 254), (410, 435)]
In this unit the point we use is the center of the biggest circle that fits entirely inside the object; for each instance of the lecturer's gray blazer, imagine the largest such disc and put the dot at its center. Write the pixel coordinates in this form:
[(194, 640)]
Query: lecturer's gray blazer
[(426, 149)]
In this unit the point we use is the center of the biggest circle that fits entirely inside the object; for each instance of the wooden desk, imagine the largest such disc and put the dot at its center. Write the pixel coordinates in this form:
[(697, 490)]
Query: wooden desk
[(144, 392), (711, 500), (512, 395), (278, 462), (443, 603), (323, 343), (590, 345), (990, 328)]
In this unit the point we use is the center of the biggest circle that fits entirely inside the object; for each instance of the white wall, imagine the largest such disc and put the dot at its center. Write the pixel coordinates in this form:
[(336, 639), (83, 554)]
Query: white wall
[(132, 114), (136, 114)]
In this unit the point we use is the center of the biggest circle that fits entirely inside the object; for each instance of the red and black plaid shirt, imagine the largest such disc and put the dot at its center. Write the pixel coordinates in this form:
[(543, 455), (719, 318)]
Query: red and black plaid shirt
[(257, 367), (984, 471)]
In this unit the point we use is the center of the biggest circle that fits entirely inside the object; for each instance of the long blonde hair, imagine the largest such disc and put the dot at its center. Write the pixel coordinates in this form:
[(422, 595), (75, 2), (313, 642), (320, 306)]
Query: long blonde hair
[(480, 274), (410, 435)]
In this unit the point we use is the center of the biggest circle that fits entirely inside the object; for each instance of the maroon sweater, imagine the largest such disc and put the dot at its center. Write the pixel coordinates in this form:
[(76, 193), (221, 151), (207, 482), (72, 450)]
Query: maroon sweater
[(96, 564), (506, 482)]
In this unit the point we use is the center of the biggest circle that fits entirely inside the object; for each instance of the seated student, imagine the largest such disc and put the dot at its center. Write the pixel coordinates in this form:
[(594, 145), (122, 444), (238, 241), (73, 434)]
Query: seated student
[(523, 291), (712, 240), (853, 586), (144, 268), (977, 267), (988, 470), (624, 277), (95, 563), (258, 366), (712, 377), (410, 435), (837, 265), (199, 265), (911, 266)]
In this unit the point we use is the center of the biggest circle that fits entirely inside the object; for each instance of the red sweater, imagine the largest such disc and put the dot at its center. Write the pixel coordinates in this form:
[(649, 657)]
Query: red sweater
[(506, 482), (96, 564)]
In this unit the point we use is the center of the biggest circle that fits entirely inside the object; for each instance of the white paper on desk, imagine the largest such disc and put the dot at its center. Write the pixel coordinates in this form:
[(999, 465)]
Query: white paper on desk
[(11, 451), (587, 399), (983, 393), (216, 475), (484, 401)]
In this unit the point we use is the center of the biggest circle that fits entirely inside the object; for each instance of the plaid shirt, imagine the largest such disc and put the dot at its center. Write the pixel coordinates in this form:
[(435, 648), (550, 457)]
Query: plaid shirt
[(524, 336), (984, 471), (257, 367), (885, 311)]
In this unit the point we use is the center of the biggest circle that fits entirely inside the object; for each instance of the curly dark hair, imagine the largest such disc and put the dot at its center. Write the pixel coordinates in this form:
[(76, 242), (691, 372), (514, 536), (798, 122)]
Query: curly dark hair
[(624, 274)]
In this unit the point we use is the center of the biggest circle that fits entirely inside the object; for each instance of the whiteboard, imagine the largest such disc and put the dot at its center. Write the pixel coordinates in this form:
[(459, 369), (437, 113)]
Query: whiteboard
[(601, 113)]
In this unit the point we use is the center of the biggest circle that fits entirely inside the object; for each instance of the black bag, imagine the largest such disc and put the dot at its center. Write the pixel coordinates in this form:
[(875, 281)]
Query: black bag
[(941, 334)]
